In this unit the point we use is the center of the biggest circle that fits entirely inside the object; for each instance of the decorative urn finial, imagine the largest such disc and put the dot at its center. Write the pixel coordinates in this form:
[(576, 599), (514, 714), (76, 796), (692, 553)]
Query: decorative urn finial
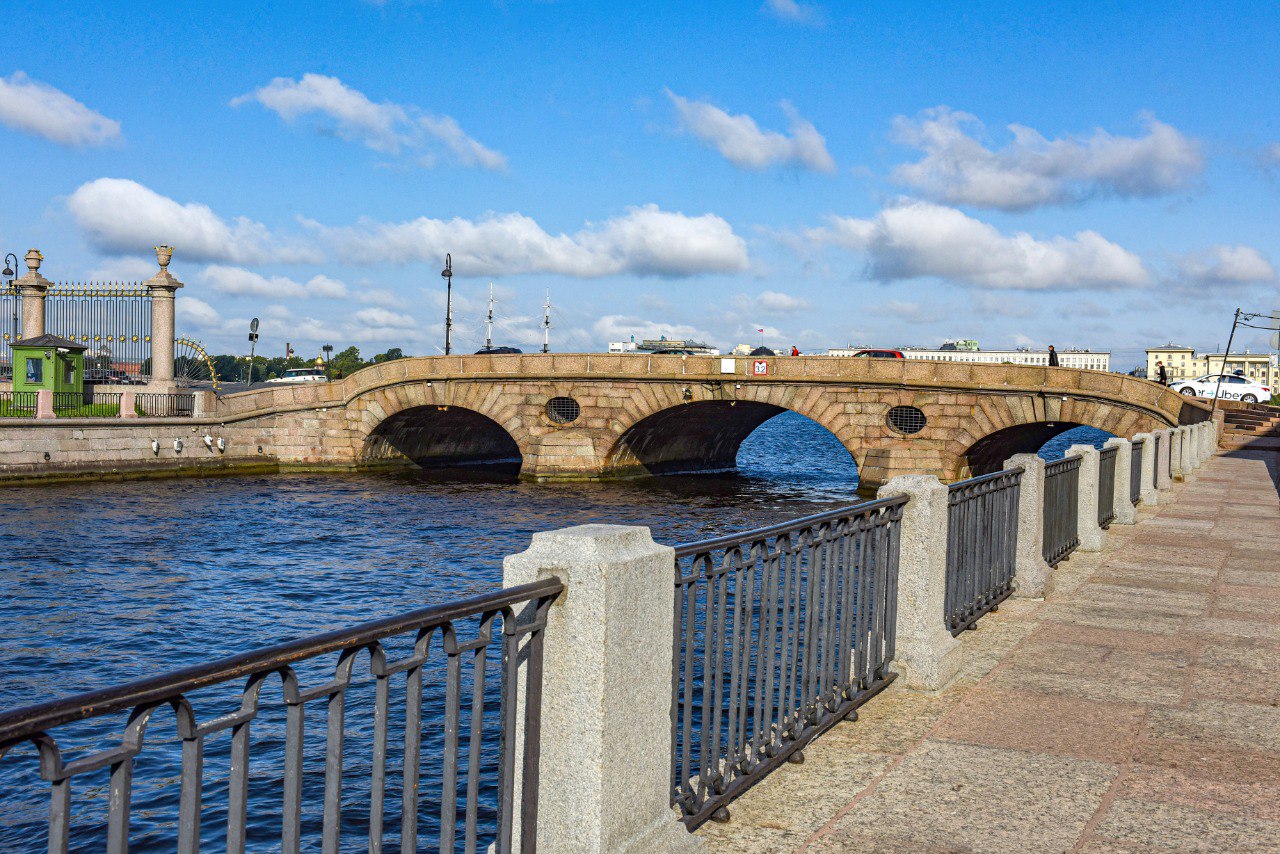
[(164, 254), (33, 259)]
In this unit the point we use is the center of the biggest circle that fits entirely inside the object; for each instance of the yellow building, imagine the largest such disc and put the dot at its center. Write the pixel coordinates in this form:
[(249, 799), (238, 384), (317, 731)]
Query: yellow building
[(1182, 363)]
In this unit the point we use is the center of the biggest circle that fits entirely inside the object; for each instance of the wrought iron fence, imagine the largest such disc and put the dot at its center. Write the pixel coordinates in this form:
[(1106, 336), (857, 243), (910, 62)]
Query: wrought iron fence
[(17, 404), (780, 633), (1061, 512), (113, 320), (1135, 472), (310, 791), (86, 404), (155, 405), (982, 546), (11, 323), (1107, 485)]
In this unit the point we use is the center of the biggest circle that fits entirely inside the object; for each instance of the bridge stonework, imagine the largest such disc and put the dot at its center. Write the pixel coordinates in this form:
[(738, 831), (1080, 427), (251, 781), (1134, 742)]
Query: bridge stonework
[(639, 415), (643, 414)]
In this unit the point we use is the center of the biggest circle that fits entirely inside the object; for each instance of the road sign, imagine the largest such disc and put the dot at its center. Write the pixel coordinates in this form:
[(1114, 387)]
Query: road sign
[(760, 368)]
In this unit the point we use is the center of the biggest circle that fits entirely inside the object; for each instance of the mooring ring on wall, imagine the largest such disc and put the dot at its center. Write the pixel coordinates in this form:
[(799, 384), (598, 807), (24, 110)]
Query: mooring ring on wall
[(563, 410), (906, 420)]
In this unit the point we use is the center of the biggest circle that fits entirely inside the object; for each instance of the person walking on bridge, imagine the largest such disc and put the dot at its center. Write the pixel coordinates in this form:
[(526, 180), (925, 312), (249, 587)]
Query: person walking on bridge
[(1162, 376), (1053, 357)]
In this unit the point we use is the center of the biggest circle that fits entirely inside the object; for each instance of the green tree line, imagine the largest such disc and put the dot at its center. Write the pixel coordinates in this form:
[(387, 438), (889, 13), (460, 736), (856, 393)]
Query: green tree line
[(234, 368)]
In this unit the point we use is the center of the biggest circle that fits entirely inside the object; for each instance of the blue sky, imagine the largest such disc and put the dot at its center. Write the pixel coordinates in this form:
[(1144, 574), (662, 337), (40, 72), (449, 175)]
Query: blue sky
[(1103, 176)]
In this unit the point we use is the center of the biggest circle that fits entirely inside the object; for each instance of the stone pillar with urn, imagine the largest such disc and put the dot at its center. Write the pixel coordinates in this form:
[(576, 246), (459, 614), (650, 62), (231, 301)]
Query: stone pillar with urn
[(162, 286), (33, 287)]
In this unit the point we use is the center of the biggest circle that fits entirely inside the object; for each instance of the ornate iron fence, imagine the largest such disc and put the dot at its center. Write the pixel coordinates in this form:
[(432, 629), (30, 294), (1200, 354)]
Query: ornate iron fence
[(113, 320), (1107, 486), (166, 405), (457, 738), (780, 633), (17, 404), (982, 546), (11, 323), (1061, 512), (1135, 472)]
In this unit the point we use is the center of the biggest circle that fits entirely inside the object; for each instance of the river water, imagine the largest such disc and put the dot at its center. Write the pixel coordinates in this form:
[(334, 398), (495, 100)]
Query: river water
[(103, 583)]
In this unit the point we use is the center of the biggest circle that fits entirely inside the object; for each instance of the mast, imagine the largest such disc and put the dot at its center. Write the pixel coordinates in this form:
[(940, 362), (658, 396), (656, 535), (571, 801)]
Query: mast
[(546, 324), (488, 326)]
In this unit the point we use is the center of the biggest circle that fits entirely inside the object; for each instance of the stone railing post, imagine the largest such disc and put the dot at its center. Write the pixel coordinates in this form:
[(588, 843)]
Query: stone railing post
[(1206, 441), (34, 288), (1092, 537), (1033, 578), (1219, 424), (1164, 472), (1175, 456), (204, 403), (1122, 506), (605, 752), (1147, 492), (928, 657), (162, 286), (44, 403), (128, 404)]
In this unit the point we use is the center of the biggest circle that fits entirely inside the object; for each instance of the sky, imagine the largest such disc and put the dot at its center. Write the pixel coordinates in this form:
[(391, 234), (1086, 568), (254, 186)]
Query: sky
[(1092, 175)]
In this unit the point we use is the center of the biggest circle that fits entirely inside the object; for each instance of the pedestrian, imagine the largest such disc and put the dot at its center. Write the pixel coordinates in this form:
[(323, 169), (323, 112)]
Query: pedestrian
[(1162, 376), (795, 351), (1053, 357)]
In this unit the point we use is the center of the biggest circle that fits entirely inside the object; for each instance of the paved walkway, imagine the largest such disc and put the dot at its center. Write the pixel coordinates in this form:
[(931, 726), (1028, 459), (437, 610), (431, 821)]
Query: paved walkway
[(1137, 709)]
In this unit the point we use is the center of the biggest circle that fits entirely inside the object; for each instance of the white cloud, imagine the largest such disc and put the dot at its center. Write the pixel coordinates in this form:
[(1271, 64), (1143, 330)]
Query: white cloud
[(645, 241), (123, 270), (770, 302), (915, 312), (914, 239), (122, 216), (241, 282), (378, 296), (381, 317), (1269, 154), (197, 313), (741, 141), (39, 109), (1031, 171), (1226, 265), (618, 327), (795, 12), (385, 127)]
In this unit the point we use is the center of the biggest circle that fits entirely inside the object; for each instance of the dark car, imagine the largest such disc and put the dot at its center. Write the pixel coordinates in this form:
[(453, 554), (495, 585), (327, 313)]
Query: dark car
[(108, 376), (497, 351), (674, 351), (880, 354)]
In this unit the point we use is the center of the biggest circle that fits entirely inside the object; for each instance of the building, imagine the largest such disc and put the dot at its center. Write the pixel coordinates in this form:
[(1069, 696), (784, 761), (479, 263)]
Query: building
[(967, 350), (663, 343), (1182, 363)]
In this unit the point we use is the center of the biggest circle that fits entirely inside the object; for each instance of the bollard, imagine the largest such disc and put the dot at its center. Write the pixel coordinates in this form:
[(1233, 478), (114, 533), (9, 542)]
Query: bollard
[(44, 403), (1164, 475), (1033, 577), (128, 404), (606, 692), (1122, 506), (1092, 537), (1175, 455), (1186, 456), (927, 657)]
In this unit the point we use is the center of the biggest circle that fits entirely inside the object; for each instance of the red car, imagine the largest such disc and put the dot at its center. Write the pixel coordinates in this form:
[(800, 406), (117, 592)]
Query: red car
[(880, 354)]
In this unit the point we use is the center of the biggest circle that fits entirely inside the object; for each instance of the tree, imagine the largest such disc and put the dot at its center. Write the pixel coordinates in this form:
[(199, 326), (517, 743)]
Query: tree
[(346, 363), (389, 356)]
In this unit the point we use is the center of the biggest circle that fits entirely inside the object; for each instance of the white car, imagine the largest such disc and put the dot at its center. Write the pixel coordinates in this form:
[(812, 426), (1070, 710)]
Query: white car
[(301, 375), (1232, 387)]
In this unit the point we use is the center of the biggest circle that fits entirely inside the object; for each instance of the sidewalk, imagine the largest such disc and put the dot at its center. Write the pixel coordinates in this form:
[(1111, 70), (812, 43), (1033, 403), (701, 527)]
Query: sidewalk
[(1137, 709)]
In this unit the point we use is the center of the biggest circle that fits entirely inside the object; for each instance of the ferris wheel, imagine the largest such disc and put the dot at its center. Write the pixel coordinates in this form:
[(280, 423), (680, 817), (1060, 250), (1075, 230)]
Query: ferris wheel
[(192, 367)]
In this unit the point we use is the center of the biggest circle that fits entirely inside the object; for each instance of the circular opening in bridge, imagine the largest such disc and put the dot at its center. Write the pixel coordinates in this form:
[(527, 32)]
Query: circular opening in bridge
[(906, 419), (563, 410)]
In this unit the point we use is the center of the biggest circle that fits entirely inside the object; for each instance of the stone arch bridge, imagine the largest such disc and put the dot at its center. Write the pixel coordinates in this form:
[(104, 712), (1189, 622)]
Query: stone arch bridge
[(637, 414)]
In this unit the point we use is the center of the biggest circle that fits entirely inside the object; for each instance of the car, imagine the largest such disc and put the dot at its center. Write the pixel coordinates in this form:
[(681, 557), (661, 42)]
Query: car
[(880, 354), (498, 351), (109, 376), (675, 351), (300, 375), (1231, 387)]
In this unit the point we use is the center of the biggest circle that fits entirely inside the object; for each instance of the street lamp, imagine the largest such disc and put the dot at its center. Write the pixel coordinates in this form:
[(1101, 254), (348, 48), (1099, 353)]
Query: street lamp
[(447, 273), (10, 270), (253, 343), (328, 351)]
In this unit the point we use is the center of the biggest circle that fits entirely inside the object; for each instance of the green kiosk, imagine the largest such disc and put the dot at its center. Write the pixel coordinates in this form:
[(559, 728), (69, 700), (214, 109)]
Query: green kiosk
[(48, 362)]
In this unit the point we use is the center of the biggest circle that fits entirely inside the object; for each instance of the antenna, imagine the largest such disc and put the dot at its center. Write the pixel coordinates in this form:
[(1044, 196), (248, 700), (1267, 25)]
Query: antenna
[(488, 326), (546, 324)]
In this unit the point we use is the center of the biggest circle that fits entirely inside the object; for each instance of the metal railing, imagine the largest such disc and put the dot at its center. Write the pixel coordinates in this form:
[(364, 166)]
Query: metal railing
[(1168, 453), (166, 405), (1135, 472), (1061, 511), (470, 745), (780, 633), (18, 404), (982, 546), (1107, 486), (86, 404)]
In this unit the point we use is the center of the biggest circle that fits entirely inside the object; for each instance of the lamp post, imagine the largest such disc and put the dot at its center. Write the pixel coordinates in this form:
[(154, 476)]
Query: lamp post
[(10, 271), (328, 351), (447, 273), (253, 343)]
